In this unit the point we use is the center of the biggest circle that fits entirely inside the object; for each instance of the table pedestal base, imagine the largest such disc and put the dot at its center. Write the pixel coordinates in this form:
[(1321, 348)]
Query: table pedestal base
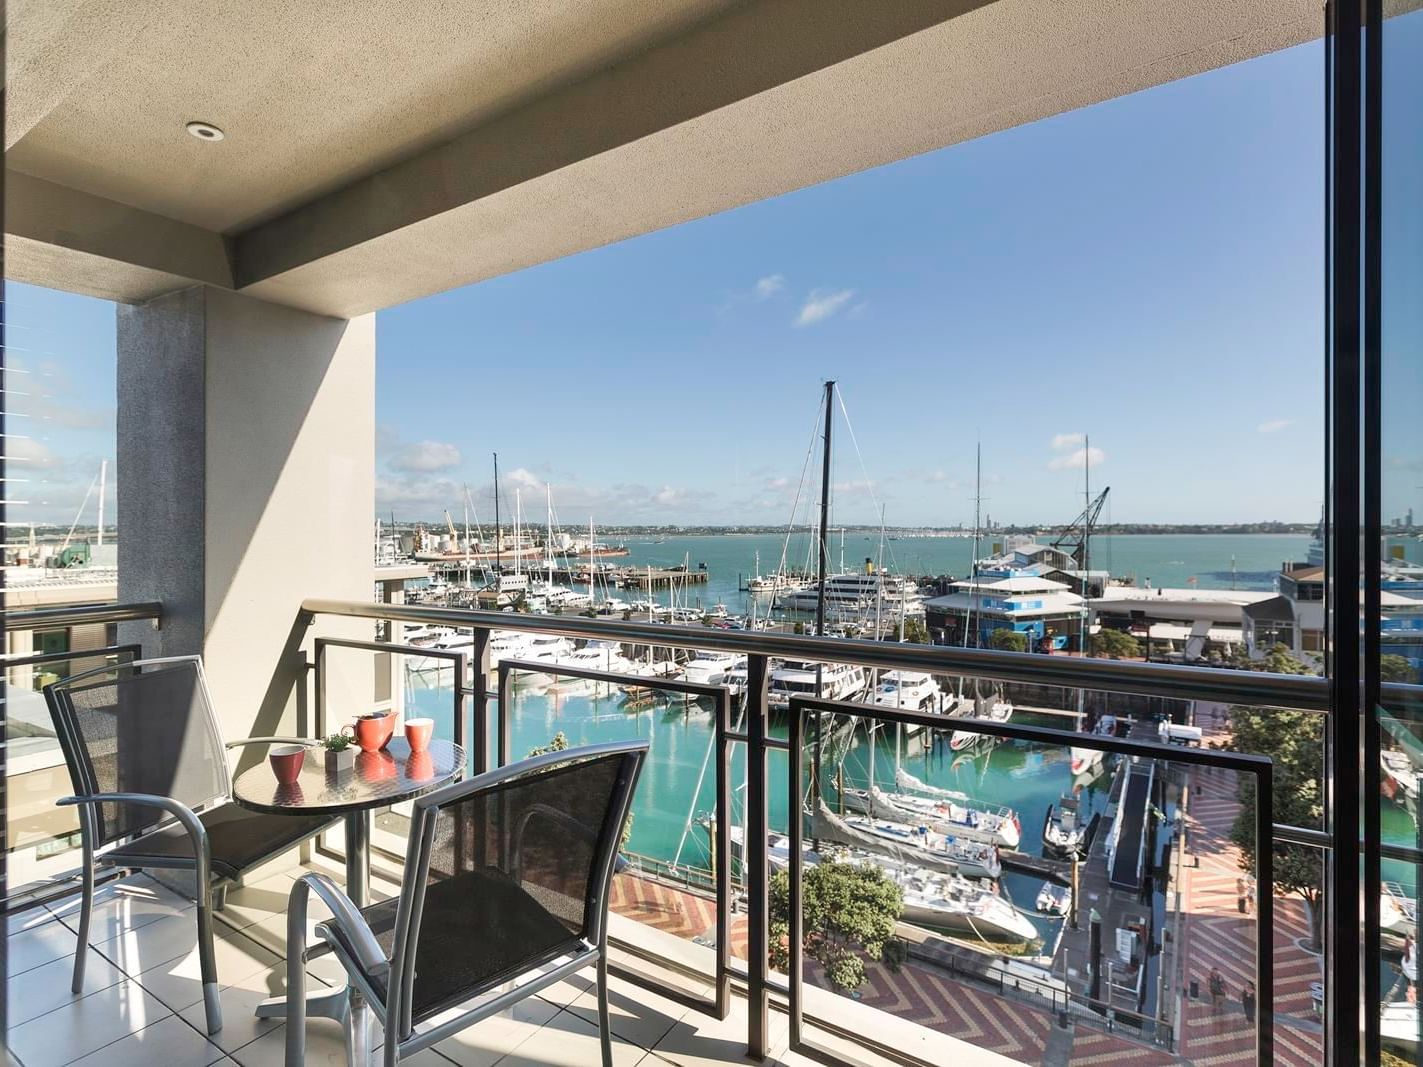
[(344, 1005)]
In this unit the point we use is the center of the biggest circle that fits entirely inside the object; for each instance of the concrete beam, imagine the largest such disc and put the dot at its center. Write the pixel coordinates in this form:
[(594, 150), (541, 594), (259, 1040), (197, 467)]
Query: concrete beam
[(749, 50), (52, 229), (762, 98)]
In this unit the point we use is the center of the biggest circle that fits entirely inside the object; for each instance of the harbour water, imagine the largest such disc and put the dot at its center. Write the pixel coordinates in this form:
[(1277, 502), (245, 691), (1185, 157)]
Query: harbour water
[(676, 793), (1214, 561), (677, 790)]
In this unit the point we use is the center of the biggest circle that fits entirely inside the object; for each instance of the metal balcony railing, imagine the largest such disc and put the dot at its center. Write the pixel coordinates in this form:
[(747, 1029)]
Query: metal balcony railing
[(484, 695)]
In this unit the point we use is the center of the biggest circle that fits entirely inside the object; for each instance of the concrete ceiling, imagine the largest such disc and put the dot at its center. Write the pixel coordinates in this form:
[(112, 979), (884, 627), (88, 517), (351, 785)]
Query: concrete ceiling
[(380, 152)]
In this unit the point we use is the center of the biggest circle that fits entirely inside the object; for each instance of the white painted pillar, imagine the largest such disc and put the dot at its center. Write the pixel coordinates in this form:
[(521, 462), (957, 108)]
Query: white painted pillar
[(246, 452)]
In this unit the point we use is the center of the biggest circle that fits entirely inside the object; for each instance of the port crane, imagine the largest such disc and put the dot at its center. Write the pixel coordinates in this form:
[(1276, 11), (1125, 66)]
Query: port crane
[(1076, 535)]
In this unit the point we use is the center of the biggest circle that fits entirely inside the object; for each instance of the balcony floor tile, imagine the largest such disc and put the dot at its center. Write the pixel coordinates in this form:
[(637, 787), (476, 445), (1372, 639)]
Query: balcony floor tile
[(168, 1041), (43, 989), (85, 1025)]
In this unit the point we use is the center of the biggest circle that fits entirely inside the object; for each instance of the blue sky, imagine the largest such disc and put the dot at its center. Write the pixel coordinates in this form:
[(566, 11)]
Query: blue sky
[(1147, 271)]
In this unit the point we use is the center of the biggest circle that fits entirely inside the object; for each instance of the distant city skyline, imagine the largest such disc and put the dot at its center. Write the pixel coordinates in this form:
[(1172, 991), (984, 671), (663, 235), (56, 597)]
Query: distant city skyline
[(1145, 273)]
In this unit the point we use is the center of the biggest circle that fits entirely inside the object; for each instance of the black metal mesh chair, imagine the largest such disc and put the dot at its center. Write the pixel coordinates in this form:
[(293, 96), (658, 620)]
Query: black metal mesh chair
[(150, 775), (507, 879)]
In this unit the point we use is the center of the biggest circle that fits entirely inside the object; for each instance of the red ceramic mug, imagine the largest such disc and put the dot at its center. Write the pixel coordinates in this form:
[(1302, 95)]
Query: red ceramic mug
[(372, 732), (286, 761), (418, 733)]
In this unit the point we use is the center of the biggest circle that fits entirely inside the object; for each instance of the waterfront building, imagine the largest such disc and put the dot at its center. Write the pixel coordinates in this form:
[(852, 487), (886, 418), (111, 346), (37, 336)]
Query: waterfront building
[(1181, 623), (1049, 614)]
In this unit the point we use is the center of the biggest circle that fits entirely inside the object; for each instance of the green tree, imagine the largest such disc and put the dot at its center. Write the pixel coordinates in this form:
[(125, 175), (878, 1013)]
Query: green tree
[(915, 632), (1113, 644), (1397, 669), (847, 909), (1006, 640), (559, 743), (1278, 660), (1294, 740)]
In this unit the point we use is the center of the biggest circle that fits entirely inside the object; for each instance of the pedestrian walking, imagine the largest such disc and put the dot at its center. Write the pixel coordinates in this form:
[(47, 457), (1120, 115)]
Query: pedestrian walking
[(1240, 894), (1250, 898), (1216, 985), (1247, 1002)]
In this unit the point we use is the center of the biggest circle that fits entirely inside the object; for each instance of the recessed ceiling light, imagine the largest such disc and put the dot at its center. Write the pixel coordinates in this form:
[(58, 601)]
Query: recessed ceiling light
[(205, 131)]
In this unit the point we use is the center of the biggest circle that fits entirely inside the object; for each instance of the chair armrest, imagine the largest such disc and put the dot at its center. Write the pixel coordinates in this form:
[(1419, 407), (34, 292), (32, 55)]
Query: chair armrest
[(344, 915), (202, 860), (271, 741)]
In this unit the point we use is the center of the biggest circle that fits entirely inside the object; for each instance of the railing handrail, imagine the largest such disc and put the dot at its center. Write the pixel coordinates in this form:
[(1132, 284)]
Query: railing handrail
[(82, 615), (1301, 692)]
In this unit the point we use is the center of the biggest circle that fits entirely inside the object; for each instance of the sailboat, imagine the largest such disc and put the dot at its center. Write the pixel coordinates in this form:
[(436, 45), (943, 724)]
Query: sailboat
[(995, 710)]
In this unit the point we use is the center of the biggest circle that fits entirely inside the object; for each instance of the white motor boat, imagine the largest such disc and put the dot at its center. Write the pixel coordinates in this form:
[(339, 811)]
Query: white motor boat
[(1398, 1025), (1398, 911), (997, 711), (598, 656), (1054, 899), (837, 681), (711, 668), (1401, 774), (947, 815), (1084, 758), (908, 691), (1063, 833)]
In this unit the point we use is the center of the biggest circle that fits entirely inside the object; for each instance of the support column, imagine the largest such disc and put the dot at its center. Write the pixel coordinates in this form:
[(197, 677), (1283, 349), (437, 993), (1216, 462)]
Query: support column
[(246, 466)]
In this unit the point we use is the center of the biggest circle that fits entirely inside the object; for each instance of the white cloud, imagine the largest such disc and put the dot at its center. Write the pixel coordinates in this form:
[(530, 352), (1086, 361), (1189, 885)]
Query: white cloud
[(1077, 459), (525, 478), (1068, 440), (1274, 425), (769, 286), (777, 483), (425, 456), (820, 305)]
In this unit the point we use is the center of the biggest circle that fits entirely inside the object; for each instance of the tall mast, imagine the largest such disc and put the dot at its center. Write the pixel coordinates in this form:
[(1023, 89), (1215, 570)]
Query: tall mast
[(518, 534), (973, 565), (548, 538), (824, 560), (103, 486), (498, 557), (1086, 542), (592, 557)]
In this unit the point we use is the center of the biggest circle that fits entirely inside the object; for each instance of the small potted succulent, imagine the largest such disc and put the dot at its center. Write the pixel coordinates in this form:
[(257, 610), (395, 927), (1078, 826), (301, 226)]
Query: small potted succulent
[(340, 753)]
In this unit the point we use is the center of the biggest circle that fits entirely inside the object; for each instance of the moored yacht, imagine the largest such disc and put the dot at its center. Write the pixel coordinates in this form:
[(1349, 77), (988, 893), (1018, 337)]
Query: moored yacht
[(908, 691), (996, 711), (858, 593), (838, 681), (973, 859), (956, 816), (711, 668)]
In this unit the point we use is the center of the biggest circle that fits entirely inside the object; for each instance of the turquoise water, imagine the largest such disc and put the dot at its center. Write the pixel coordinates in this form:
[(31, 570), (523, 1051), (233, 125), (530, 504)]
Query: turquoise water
[(672, 802), (676, 795)]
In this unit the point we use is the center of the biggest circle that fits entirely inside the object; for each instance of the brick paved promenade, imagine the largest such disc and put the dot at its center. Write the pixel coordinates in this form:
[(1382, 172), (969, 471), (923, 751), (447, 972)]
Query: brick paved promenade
[(1215, 934)]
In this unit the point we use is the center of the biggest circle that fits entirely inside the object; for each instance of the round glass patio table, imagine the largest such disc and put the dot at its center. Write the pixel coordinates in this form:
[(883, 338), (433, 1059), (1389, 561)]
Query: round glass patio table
[(377, 780)]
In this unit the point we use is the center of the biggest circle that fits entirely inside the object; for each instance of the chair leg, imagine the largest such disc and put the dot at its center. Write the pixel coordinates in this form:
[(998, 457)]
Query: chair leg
[(219, 897), (605, 1030), (207, 963), (86, 911), (358, 1033)]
